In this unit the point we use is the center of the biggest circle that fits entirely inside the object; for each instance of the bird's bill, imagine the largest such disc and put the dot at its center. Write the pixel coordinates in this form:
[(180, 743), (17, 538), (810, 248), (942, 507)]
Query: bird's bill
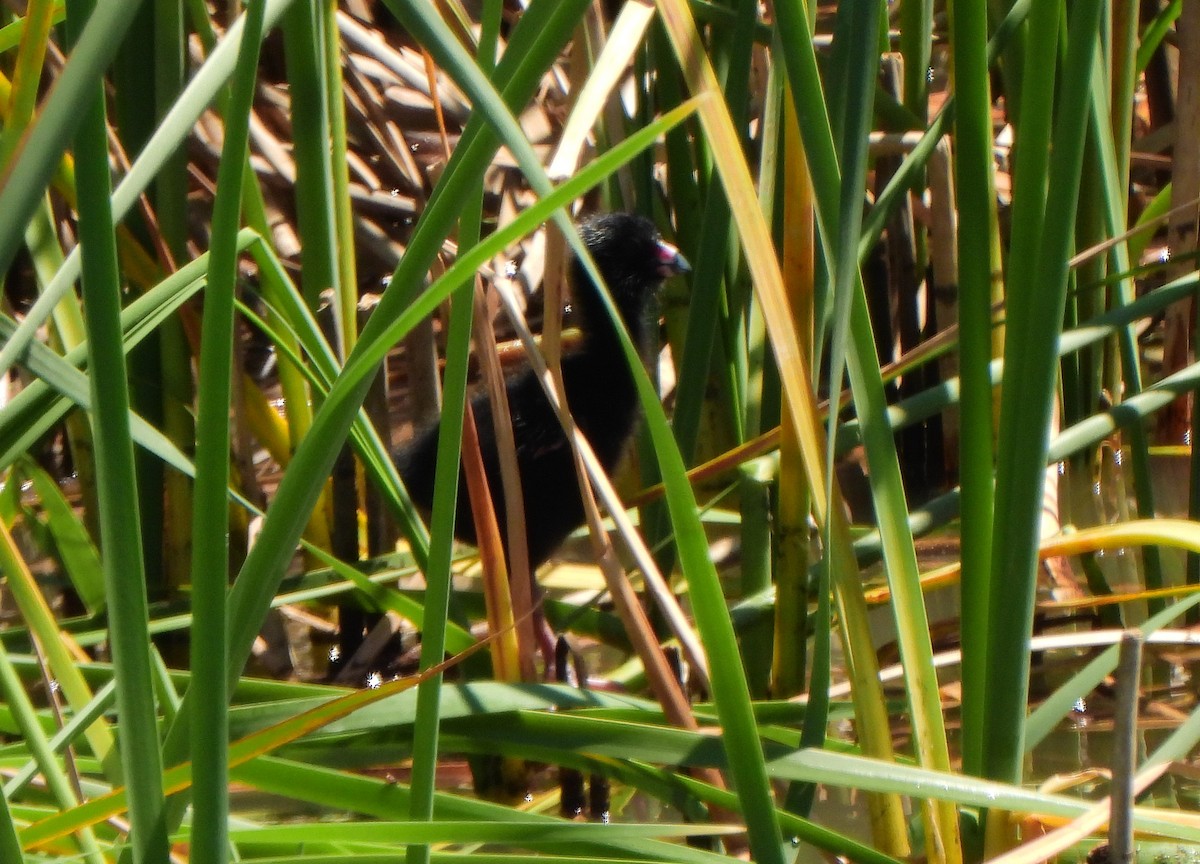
[(671, 261)]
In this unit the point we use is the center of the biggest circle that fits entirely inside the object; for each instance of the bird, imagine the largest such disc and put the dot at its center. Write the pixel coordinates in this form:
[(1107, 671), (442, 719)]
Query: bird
[(634, 261)]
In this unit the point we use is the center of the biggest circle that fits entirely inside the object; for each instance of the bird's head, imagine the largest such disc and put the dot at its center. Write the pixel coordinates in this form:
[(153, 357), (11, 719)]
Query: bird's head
[(630, 254)]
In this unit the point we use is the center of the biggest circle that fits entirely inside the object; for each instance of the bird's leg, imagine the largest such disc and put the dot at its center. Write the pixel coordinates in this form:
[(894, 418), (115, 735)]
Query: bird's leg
[(544, 634)]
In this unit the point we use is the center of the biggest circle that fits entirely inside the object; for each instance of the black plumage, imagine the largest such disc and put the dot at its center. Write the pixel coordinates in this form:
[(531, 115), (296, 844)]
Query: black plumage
[(600, 391)]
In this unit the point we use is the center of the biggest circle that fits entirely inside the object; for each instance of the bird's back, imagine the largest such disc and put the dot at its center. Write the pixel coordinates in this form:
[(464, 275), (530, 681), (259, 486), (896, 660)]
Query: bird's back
[(603, 403), (599, 387)]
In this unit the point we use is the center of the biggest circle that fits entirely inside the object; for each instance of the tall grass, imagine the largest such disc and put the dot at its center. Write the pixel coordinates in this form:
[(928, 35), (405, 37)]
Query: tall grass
[(755, 144)]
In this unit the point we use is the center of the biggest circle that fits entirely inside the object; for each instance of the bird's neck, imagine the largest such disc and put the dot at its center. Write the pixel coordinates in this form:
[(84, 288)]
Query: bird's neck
[(600, 335)]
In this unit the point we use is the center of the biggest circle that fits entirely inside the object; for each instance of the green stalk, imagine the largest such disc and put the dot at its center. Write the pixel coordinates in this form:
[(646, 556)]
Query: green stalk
[(133, 78), (862, 665), (756, 491), (174, 129), (710, 292), (1049, 715), (310, 100), (25, 716), (886, 486), (263, 569), (68, 329), (755, 484), (912, 167), (1112, 166), (708, 304), (1032, 161), (795, 503), (438, 574), (210, 529), (1035, 311), (1011, 59), (32, 411), (54, 649), (171, 209), (86, 716), (343, 214), (121, 542), (916, 40), (851, 114), (446, 473), (171, 184), (300, 329), (26, 180), (976, 228), (26, 75), (198, 15)]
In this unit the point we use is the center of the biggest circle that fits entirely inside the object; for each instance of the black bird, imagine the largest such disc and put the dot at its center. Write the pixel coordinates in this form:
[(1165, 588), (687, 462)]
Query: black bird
[(634, 260)]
